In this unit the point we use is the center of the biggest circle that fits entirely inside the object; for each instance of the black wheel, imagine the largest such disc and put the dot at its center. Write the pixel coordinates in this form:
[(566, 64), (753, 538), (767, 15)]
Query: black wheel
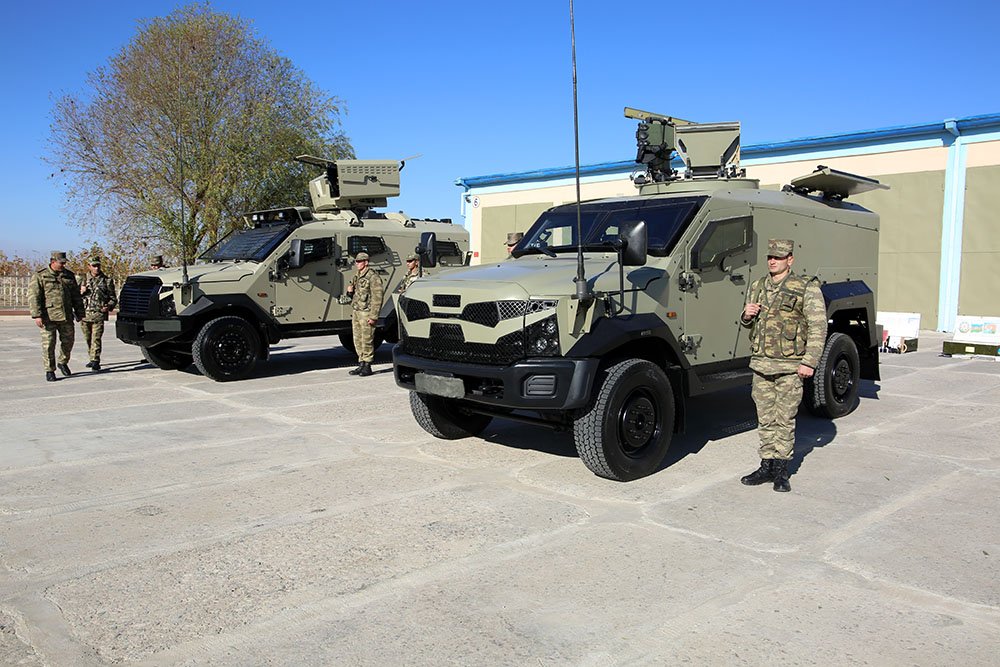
[(626, 430), (165, 358), (833, 391), (347, 341), (445, 418), (226, 348)]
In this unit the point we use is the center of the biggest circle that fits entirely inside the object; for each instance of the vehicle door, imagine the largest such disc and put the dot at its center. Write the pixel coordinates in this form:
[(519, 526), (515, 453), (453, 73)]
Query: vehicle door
[(304, 295), (718, 267)]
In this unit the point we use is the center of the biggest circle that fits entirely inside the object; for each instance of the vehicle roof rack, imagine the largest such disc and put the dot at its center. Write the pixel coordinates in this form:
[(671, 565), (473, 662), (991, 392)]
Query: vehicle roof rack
[(833, 183)]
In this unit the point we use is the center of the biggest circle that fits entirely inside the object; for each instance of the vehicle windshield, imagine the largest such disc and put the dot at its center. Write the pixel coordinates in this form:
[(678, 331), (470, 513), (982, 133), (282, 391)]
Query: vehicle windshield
[(247, 244), (556, 230)]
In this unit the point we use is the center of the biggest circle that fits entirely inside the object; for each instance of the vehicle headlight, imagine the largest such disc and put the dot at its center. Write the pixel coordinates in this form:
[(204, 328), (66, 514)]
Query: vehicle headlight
[(167, 306), (543, 337)]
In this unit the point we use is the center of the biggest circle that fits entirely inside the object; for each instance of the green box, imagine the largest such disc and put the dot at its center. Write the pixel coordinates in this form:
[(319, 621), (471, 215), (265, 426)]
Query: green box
[(958, 347)]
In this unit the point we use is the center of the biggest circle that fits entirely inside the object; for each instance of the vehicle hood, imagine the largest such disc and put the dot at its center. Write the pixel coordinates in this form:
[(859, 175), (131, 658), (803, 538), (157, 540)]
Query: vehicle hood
[(538, 276), (216, 272)]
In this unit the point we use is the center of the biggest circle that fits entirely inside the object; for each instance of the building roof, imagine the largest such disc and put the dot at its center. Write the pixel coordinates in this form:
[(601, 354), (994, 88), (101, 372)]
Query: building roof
[(947, 127)]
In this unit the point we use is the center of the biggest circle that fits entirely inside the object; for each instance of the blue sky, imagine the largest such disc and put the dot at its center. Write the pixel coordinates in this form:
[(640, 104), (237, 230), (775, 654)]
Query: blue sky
[(485, 87)]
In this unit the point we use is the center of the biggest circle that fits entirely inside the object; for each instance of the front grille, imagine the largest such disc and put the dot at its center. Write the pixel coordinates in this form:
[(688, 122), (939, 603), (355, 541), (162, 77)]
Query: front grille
[(447, 300), (446, 343), (415, 310), (137, 295)]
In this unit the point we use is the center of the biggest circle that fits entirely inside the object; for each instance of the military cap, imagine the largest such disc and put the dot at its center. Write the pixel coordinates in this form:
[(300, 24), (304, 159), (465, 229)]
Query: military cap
[(95, 261), (157, 260), (58, 256), (780, 247), (514, 238), (361, 257), (412, 257)]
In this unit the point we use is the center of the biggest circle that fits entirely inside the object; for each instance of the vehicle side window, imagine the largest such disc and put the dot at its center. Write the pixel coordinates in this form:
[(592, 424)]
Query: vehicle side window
[(315, 249), (373, 245), (720, 239), (447, 249)]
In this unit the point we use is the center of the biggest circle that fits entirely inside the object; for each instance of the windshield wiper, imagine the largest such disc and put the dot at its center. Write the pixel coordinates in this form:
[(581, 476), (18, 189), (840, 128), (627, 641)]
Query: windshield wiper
[(543, 248)]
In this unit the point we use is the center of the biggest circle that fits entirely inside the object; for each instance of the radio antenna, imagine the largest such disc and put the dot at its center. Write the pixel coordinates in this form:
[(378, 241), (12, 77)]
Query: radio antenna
[(583, 292)]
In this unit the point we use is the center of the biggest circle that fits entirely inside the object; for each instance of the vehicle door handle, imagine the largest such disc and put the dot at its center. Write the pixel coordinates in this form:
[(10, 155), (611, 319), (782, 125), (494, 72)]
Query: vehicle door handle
[(321, 273), (736, 277)]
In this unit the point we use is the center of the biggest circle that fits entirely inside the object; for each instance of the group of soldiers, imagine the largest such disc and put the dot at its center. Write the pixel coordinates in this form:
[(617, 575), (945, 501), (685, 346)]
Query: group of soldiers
[(56, 300)]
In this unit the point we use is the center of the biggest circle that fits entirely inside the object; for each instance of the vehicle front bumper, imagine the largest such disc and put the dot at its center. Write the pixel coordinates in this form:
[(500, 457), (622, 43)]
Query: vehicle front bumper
[(532, 384), (148, 332)]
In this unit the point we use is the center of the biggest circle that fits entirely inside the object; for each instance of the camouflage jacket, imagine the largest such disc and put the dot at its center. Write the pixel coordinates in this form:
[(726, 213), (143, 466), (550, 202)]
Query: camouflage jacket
[(367, 291), (790, 328), (54, 296), (99, 293), (407, 280)]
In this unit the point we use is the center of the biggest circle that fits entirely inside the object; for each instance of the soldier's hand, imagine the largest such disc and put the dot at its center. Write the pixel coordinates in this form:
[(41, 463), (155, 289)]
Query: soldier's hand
[(371, 323), (83, 289), (750, 311), (39, 322), (805, 371)]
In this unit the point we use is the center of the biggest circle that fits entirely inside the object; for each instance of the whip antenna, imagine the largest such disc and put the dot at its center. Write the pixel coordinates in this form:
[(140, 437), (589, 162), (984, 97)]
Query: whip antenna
[(582, 288)]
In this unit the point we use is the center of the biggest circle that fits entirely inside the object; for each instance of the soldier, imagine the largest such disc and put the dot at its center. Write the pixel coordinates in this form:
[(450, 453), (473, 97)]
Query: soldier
[(512, 240), (786, 316), (412, 272), (99, 299), (365, 291), (55, 300), (156, 262)]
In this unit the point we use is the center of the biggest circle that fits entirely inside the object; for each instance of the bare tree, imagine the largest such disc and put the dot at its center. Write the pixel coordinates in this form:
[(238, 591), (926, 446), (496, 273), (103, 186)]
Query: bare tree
[(196, 116)]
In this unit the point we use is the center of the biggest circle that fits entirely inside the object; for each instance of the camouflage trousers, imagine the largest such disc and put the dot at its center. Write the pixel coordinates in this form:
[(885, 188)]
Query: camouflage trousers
[(777, 398), (364, 335), (65, 331), (92, 333)]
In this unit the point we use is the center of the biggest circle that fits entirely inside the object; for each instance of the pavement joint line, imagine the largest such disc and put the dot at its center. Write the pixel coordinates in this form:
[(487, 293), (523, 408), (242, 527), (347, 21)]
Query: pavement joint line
[(49, 634)]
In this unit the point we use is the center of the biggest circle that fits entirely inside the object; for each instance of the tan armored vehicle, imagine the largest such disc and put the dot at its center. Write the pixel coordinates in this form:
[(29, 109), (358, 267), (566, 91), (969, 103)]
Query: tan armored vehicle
[(283, 276), (606, 325)]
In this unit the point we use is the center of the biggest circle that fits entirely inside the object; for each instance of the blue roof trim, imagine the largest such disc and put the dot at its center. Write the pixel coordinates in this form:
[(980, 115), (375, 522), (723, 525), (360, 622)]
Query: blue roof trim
[(850, 139)]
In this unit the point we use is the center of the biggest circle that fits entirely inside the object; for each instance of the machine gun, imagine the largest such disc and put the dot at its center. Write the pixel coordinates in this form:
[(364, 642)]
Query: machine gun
[(355, 185), (707, 150)]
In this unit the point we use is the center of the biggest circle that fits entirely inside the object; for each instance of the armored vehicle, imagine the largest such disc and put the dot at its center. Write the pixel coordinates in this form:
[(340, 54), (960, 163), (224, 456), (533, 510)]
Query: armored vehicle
[(614, 314), (282, 276)]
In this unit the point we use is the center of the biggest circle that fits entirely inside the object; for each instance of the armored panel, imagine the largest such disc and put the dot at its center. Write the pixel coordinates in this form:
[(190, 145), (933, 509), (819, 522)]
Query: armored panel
[(367, 178), (835, 183), (709, 147)]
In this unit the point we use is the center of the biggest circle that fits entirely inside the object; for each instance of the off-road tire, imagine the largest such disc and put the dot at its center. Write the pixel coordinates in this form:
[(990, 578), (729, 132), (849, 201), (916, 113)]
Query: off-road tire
[(226, 349), (625, 431), (166, 359), (445, 418), (347, 341), (833, 389)]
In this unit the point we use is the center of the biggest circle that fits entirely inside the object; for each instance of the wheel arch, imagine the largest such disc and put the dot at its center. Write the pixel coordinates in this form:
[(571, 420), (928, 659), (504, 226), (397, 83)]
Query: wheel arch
[(850, 310)]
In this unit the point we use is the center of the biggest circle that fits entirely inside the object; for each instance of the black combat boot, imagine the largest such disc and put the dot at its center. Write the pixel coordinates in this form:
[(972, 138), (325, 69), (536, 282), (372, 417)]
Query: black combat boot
[(50, 376), (357, 371), (780, 469), (96, 365), (64, 369), (366, 369), (760, 475), (90, 364)]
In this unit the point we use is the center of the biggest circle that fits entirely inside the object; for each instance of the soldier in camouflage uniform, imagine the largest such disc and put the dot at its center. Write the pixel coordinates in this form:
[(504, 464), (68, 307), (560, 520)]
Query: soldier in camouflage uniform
[(54, 299), (412, 273), (786, 315), (99, 299), (365, 291)]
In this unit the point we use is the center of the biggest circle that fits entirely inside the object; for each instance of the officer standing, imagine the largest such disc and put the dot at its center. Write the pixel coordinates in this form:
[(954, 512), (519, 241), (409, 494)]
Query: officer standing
[(99, 299), (513, 239), (412, 273), (54, 299), (365, 291), (786, 315)]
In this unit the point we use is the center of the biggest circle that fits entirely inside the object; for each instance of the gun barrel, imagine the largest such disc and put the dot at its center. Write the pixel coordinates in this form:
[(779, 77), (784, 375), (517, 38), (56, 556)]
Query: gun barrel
[(639, 114)]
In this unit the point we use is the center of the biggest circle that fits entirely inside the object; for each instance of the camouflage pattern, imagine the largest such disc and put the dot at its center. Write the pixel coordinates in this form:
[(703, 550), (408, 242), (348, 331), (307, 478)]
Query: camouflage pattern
[(366, 300), (789, 331), (65, 331), (93, 332), (780, 247), (777, 398), (54, 296), (410, 276), (99, 297), (791, 326)]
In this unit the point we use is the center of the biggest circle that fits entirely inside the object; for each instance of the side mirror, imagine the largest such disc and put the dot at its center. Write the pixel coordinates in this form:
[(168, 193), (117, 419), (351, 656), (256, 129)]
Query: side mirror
[(428, 250), (295, 258), (634, 239)]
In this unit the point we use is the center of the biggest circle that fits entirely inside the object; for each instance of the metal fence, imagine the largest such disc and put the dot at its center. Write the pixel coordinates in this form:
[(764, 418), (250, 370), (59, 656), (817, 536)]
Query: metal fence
[(14, 292)]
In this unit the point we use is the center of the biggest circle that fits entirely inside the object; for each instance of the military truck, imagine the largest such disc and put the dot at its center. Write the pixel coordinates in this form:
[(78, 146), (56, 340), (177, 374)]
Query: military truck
[(613, 315), (282, 276)]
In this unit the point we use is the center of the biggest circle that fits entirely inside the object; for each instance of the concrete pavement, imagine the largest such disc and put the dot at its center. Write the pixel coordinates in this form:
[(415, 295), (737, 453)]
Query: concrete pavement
[(302, 517)]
